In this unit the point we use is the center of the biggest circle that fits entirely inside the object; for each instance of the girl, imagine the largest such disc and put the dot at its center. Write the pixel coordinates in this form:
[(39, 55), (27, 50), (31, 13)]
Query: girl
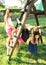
[(9, 27), (33, 42)]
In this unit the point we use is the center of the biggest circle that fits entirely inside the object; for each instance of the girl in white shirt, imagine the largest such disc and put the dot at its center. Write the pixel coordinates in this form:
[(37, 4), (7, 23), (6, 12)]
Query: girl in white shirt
[(9, 27)]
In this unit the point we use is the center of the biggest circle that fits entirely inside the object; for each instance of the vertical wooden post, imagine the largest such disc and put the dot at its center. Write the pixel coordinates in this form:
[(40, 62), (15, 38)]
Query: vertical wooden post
[(36, 20), (44, 5)]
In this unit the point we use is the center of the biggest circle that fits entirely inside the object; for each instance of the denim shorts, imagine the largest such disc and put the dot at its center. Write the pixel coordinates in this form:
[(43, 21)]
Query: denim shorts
[(32, 48)]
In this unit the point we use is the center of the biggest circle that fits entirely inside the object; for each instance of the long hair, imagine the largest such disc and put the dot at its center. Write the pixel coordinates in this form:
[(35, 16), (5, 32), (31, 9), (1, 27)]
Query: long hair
[(34, 34)]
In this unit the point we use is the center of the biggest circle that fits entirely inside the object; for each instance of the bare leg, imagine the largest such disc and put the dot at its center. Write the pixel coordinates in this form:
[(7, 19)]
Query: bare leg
[(17, 46), (8, 45)]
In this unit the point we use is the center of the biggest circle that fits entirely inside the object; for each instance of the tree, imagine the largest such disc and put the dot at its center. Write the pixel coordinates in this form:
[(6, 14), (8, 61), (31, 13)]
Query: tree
[(1, 5)]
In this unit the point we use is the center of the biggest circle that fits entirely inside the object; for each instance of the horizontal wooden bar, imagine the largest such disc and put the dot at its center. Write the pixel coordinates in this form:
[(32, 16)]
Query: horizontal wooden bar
[(37, 12)]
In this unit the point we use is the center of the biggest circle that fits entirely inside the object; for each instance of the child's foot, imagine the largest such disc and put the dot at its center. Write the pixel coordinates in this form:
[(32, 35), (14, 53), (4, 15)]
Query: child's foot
[(29, 52), (8, 54)]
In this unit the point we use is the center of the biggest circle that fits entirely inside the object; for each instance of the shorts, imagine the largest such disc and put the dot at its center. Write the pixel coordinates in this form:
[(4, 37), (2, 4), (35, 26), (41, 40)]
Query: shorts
[(21, 40), (9, 31), (32, 48)]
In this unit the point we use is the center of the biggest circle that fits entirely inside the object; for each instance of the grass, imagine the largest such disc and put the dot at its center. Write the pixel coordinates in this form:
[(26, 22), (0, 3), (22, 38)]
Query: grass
[(23, 57)]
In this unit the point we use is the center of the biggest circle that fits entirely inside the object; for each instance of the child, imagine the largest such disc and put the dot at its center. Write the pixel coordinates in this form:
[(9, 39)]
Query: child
[(25, 33), (33, 42), (24, 36), (9, 27)]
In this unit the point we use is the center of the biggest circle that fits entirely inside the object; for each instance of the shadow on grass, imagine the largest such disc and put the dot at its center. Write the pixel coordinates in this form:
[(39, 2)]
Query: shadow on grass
[(24, 48), (19, 61), (42, 52)]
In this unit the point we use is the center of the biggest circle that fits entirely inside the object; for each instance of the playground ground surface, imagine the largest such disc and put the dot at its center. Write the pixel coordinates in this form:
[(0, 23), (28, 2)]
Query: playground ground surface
[(23, 57)]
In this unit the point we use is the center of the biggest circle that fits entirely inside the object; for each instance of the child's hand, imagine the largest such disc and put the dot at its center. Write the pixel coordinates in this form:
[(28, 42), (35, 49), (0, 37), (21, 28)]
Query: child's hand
[(15, 30), (35, 28)]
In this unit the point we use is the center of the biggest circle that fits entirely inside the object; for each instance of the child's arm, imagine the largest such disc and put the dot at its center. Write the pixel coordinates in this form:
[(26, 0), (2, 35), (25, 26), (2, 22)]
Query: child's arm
[(29, 27), (6, 22)]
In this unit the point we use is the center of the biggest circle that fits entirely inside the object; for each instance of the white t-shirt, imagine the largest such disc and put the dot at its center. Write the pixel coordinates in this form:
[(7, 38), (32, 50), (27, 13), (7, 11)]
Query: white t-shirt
[(9, 22)]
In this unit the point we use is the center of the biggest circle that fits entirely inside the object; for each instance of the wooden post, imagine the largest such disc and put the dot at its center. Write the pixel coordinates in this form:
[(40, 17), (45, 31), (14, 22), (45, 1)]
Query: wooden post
[(44, 5), (36, 20)]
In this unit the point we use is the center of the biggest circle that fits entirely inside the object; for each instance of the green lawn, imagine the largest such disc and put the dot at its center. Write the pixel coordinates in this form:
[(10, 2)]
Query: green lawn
[(23, 57)]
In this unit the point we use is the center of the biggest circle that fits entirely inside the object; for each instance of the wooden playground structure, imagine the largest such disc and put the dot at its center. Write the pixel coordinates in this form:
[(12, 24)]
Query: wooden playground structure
[(23, 17)]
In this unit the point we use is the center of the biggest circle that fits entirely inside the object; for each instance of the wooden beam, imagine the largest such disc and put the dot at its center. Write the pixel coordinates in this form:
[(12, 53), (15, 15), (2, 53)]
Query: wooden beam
[(37, 12), (41, 27)]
